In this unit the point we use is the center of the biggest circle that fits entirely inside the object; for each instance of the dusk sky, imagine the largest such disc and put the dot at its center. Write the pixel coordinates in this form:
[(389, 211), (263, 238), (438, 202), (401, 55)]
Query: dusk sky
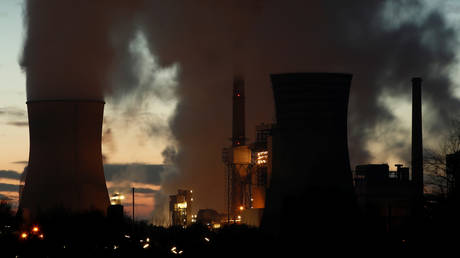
[(143, 122)]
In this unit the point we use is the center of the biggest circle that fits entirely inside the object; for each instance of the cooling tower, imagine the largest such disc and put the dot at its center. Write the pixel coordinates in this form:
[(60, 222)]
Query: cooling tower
[(311, 187), (65, 161)]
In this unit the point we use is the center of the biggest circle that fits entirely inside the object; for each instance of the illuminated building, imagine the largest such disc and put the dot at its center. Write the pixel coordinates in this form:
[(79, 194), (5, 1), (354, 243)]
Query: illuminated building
[(209, 218), (247, 166), (237, 158), (180, 208), (261, 169), (115, 210)]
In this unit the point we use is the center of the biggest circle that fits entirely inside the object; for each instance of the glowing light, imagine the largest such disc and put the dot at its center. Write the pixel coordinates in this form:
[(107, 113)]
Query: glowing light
[(241, 208), (207, 239), (24, 235), (146, 246), (41, 236), (182, 205), (262, 157), (116, 199), (35, 229), (174, 250)]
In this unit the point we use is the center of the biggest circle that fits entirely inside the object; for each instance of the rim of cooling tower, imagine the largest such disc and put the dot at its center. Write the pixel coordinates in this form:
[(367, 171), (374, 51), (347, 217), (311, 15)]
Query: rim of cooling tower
[(66, 100), (310, 77)]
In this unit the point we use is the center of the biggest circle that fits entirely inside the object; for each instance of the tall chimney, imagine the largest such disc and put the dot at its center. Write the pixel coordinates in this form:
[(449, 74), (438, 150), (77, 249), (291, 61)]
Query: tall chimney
[(417, 138), (65, 160), (238, 132)]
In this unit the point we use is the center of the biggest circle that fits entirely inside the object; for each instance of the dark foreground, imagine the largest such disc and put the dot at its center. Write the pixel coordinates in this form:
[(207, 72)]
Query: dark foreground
[(93, 235)]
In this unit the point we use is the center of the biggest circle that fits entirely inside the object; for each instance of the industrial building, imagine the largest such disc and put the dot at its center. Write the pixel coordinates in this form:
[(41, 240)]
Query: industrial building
[(385, 197), (180, 208), (65, 160), (115, 211), (390, 199), (247, 165), (453, 174)]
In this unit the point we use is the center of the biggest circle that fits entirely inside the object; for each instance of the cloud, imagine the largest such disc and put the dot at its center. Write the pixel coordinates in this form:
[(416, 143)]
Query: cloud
[(4, 197), (24, 162), (8, 187), (135, 172), (18, 123), (12, 112), (10, 174)]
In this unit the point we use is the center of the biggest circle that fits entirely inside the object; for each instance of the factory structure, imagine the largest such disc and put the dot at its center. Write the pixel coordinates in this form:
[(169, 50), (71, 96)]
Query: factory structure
[(246, 165), (303, 160), (180, 208), (390, 199)]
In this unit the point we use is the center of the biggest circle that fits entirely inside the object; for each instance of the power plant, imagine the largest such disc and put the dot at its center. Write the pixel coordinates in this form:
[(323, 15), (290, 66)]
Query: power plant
[(65, 160), (246, 165)]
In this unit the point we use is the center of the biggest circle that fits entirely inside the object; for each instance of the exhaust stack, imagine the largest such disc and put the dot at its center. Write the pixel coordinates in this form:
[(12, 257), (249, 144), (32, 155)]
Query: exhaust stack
[(417, 137)]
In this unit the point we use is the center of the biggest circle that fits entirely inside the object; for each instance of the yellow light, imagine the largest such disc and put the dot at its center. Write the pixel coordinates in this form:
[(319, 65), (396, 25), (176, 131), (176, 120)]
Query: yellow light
[(182, 205), (241, 208), (24, 235), (41, 236), (35, 229), (146, 245)]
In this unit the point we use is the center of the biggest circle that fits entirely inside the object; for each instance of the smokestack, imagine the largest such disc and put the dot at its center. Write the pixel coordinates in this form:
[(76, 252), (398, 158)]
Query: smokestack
[(65, 161), (310, 164), (417, 138), (238, 132)]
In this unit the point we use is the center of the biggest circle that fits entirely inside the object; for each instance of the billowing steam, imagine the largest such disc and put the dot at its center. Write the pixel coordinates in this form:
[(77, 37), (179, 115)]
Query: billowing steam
[(85, 49)]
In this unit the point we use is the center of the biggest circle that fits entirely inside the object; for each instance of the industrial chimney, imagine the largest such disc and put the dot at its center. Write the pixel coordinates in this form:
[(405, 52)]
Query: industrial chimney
[(238, 123), (311, 187), (65, 161), (417, 138)]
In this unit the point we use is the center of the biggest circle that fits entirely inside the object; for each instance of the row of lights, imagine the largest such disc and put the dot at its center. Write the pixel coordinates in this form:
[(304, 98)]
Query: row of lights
[(34, 231)]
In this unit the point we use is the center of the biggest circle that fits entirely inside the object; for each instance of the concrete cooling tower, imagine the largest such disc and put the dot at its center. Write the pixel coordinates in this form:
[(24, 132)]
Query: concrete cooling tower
[(311, 189), (65, 161)]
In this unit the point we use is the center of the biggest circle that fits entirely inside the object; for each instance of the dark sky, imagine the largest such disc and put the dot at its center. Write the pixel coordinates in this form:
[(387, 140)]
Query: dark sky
[(382, 43)]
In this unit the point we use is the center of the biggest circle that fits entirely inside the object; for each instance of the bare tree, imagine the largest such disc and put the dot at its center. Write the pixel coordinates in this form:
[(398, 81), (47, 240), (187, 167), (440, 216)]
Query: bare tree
[(435, 159)]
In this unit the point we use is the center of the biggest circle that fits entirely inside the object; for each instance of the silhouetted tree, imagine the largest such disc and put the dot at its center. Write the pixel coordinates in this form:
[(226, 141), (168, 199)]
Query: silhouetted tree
[(435, 158)]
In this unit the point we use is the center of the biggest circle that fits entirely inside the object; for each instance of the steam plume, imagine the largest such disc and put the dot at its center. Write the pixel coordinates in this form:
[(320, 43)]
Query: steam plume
[(383, 43)]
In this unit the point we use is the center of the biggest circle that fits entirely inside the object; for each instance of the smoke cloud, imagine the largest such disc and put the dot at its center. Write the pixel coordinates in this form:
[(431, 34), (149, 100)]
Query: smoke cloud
[(121, 49), (383, 43)]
